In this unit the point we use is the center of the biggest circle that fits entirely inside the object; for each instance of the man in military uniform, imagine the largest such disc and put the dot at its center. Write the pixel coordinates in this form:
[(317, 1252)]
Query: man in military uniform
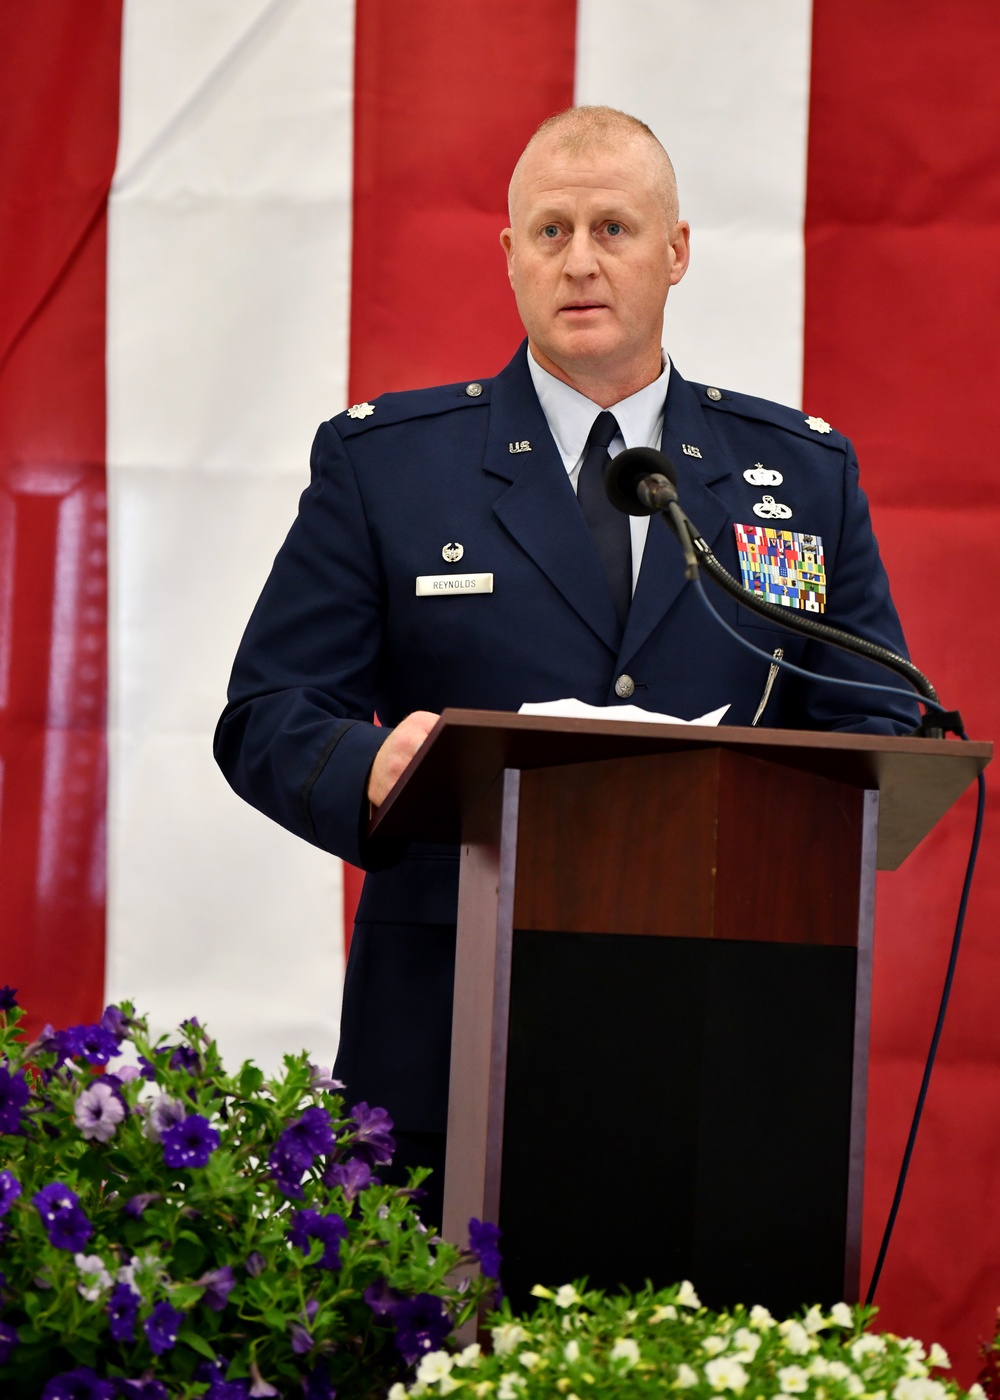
[(453, 549)]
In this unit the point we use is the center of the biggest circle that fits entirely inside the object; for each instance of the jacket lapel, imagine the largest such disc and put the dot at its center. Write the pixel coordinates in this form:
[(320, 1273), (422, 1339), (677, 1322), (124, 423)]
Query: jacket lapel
[(539, 509), (661, 576)]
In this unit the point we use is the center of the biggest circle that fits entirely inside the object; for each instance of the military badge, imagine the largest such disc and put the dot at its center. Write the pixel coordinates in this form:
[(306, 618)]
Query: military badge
[(783, 566), (361, 410)]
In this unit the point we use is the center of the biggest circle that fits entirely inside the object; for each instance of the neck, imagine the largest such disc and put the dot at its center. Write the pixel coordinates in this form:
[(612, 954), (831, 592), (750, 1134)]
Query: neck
[(603, 384)]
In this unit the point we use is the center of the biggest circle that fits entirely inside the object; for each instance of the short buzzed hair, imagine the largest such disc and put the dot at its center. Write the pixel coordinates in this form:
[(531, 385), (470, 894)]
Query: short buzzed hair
[(579, 129)]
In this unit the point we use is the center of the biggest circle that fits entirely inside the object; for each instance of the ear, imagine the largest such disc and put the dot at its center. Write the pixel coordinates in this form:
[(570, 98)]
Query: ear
[(680, 250), (507, 244)]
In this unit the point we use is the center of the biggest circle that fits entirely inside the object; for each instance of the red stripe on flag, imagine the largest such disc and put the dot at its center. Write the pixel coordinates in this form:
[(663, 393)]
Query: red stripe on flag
[(447, 92), (60, 85), (901, 351)]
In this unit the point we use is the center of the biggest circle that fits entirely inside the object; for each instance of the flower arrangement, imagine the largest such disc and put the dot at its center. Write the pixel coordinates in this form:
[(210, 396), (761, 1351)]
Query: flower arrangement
[(168, 1231), (591, 1346)]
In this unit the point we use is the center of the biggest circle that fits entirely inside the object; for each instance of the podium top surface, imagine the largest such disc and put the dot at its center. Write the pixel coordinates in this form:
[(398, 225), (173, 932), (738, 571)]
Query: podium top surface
[(917, 779)]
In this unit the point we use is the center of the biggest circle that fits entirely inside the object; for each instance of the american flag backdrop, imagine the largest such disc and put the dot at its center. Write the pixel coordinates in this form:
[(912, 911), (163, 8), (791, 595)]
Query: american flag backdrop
[(222, 220)]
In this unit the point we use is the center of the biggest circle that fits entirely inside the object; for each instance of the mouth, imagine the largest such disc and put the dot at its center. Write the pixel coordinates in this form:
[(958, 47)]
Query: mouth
[(582, 308)]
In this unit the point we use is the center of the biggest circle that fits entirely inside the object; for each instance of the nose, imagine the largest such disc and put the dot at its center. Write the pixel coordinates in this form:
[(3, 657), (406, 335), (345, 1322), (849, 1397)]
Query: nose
[(581, 255)]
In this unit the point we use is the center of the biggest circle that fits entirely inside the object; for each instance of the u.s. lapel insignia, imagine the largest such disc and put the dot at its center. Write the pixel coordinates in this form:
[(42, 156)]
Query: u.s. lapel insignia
[(818, 425), (770, 509), (759, 475), (783, 566), (452, 553), (524, 446), (361, 410), (690, 451)]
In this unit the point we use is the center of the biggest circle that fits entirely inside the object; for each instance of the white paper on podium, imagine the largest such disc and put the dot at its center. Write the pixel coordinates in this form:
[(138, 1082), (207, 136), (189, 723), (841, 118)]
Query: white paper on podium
[(576, 709)]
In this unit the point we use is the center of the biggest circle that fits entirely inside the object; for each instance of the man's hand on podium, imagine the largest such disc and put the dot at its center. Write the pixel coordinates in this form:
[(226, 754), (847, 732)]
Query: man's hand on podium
[(396, 752)]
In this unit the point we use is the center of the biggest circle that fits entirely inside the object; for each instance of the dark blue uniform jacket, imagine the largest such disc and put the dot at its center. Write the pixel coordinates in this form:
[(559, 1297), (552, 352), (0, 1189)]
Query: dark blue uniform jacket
[(338, 634)]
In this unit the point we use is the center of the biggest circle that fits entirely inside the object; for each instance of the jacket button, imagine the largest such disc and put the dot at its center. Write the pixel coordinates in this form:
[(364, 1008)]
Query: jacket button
[(624, 687)]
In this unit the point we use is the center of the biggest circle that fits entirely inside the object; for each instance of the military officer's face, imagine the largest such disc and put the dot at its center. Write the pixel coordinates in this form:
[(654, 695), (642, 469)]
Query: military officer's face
[(591, 255)]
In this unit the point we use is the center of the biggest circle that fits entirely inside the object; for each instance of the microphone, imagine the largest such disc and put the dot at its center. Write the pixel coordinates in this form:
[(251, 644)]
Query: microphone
[(642, 481)]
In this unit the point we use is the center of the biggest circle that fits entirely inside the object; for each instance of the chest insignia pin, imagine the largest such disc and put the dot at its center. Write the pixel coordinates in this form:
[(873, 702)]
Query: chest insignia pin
[(759, 475), (770, 509), (690, 451), (452, 553), (818, 425), (524, 446)]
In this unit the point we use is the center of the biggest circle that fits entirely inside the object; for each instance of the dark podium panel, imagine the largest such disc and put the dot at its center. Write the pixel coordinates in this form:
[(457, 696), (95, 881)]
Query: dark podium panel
[(662, 991)]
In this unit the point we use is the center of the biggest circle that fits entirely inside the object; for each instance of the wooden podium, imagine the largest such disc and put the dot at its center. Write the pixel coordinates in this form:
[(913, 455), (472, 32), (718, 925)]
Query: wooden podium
[(662, 990)]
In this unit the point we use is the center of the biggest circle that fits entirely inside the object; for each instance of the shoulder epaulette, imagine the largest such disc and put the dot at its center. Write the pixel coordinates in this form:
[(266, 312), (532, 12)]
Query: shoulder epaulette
[(793, 420), (411, 404)]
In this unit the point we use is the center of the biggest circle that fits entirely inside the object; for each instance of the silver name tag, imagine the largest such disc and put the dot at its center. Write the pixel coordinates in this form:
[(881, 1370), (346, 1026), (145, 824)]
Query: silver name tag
[(440, 585)]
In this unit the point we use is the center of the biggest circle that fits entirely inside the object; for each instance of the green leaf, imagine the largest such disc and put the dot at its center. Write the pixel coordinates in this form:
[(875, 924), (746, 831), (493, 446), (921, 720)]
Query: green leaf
[(251, 1078), (195, 1341)]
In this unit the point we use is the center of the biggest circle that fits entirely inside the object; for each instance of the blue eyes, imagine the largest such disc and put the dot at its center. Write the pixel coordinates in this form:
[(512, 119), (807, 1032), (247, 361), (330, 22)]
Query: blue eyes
[(552, 231), (613, 229)]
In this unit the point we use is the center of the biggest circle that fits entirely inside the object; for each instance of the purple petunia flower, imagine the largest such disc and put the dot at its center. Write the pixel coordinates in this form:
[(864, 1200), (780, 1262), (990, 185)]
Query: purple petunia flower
[(330, 1229), (91, 1043), (219, 1283), (260, 1389), (307, 1138), (381, 1298), (143, 1389), (214, 1373), (287, 1169), (421, 1324), (14, 1094), (165, 1113), (302, 1340), (79, 1384), (161, 1328), (98, 1111), (484, 1241), (352, 1177), (316, 1385), (8, 998), (123, 1309), (147, 1069), (116, 1023), (183, 1057), (10, 1189), (135, 1205), (373, 1142), (255, 1263), (8, 1341), (65, 1223), (322, 1078), (190, 1143)]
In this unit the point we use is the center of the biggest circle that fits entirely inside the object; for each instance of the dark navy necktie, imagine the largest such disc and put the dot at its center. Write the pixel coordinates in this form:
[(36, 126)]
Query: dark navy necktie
[(608, 526)]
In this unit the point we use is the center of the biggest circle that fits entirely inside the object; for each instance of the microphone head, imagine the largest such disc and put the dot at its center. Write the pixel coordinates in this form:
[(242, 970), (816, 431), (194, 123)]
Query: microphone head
[(626, 471)]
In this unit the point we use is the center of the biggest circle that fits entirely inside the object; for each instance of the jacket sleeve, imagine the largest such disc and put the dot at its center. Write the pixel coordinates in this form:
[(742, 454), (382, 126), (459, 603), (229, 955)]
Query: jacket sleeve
[(859, 601), (297, 738)]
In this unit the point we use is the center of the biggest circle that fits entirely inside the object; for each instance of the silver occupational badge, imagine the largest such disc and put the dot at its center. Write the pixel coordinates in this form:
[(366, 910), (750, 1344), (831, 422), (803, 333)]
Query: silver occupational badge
[(523, 446), (690, 451), (770, 509), (759, 475), (452, 553), (818, 425), (361, 410)]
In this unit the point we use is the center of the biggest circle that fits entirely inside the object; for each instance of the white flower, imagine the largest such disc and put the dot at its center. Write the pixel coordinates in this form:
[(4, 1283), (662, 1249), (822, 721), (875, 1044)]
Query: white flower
[(470, 1355), (911, 1347), (856, 1386), (566, 1296), (747, 1344), (540, 1291), (841, 1315), (95, 1276), (687, 1297), (686, 1377), (836, 1370), (868, 1345), (918, 1388), (434, 1366), (529, 1359), (760, 1318), (447, 1384), (626, 1350), (571, 1351), (398, 1391), (793, 1380), (663, 1312), (976, 1391), (714, 1344), (797, 1339), (819, 1366), (814, 1321), (98, 1111), (509, 1386), (508, 1336), (937, 1356), (725, 1374)]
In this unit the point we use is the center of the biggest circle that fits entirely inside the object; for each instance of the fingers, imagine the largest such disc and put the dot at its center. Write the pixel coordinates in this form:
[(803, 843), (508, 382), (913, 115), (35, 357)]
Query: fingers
[(395, 754)]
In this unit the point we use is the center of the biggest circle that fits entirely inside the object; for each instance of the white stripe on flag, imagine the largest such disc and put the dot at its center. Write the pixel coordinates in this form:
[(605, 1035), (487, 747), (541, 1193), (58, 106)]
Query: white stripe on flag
[(725, 86), (228, 282)]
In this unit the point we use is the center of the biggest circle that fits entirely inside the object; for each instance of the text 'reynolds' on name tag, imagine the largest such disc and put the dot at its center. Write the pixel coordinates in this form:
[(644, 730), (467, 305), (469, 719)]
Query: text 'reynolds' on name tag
[(445, 585)]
